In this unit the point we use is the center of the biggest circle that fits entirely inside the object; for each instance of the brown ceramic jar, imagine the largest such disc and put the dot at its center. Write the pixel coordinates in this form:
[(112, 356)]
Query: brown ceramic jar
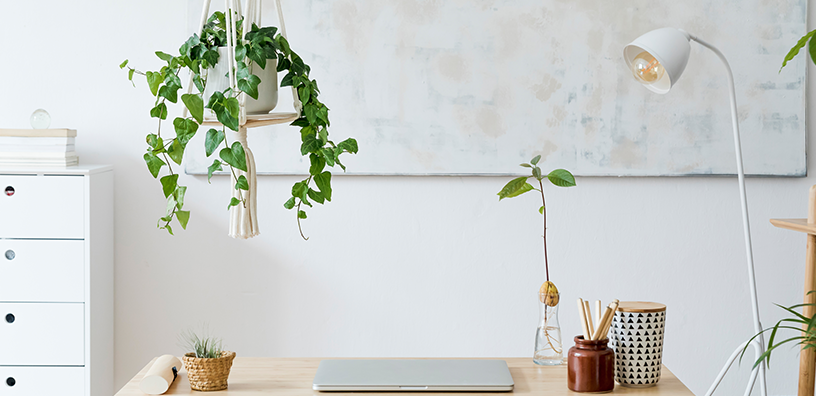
[(590, 366)]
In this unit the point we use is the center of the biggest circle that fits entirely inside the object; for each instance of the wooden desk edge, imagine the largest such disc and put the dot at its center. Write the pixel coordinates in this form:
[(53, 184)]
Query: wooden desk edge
[(669, 384)]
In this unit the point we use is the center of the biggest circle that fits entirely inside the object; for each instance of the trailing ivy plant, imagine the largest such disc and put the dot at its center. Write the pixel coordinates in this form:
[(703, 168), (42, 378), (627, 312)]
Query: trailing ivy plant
[(199, 54)]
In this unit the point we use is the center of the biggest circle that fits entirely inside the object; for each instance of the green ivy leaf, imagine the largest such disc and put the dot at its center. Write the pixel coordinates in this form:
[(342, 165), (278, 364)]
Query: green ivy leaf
[(185, 130), (304, 94), (250, 85), (242, 183), (169, 184), (130, 76), (183, 217), (163, 56), (561, 178), (290, 203), (323, 182), (233, 107), (154, 164), (535, 160), (212, 140), (328, 155), (179, 194), (311, 112), (316, 196), (195, 104), (169, 92), (348, 145), (310, 145), (514, 188), (537, 173), (317, 164), (159, 111), (541, 210), (233, 202), (169, 229), (123, 64), (154, 79), (176, 151), (526, 165), (234, 156), (240, 52), (287, 80), (301, 214), (216, 166)]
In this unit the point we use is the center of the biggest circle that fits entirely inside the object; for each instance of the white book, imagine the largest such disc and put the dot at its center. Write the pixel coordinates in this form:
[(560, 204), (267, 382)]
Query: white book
[(60, 132), (36, 141), (37, 155), (12, 148)]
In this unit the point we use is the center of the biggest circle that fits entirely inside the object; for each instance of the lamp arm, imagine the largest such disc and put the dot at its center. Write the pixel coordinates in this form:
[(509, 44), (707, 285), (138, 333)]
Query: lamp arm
[(745, 220)]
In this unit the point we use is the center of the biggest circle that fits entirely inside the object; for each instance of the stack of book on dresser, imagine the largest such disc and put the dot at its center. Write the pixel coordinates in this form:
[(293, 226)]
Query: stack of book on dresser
[(37, 147)]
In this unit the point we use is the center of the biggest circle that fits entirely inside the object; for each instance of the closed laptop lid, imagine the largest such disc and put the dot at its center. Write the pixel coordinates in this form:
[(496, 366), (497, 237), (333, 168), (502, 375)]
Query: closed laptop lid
[(413, 375)]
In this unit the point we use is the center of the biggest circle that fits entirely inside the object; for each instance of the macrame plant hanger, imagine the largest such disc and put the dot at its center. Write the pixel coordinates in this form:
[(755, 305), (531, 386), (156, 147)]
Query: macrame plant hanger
[(243, 217)]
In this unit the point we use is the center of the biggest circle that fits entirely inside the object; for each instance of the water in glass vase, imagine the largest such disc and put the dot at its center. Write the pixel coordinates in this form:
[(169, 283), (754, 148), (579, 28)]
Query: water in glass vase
[(548, 349), (548, 346)]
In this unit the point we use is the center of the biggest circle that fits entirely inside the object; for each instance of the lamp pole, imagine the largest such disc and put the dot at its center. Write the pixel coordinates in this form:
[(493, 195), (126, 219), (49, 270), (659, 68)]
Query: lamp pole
[(759, 342)]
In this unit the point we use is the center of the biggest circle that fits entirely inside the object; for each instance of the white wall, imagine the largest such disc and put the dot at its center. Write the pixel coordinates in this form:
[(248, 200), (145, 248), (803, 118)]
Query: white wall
[(400, 266)]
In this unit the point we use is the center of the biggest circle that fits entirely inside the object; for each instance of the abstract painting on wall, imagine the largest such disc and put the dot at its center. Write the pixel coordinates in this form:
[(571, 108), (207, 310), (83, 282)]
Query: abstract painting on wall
[(431, 87)]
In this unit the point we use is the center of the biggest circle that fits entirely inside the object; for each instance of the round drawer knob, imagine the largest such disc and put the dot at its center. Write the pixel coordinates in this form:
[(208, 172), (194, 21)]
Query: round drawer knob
[(10, 318), (10, 255), (10, 381), (9, 191)]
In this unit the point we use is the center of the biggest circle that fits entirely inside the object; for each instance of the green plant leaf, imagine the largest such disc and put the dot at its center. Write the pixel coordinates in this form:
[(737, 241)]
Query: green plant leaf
[(123, 64), (154, 79), (537, 173), (183, 217), (290, 203), (541, 210), (233, 107), (526, 165), (348, 145), (316, 196), (216, 166), (561, 178), (169, 92), (311, 112), (535, 160), (212, 140), (234, 156), (240, 52), (310, 145), (233, 202), (301, 214), (130, 76), (169, 184), (795, 50), (304, 94), (169, 229), (250, 85), (242, 183), (288, 80), (514, 188), (154, 164), (163, 56), (317, 164), (323, 182), (195, 104), (176, 151), (185, 130), (179, 194), (159, 111)]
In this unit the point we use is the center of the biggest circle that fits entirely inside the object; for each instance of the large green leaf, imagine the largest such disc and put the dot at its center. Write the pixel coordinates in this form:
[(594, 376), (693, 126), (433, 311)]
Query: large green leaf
[(795, 50), (234, 156), (242, 183), (169, 184), (514, 188), (154, 79), (154, 164), (183, 217), (185, 130), (159, 111), (195, 104), (176, 151), (216, 166), (212, 140), (323, 182), (561, 178)]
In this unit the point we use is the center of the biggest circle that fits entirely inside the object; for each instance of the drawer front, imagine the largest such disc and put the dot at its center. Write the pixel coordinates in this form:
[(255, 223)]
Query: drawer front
[(42, 381), (42, 271), (40, 334), (42, 206)]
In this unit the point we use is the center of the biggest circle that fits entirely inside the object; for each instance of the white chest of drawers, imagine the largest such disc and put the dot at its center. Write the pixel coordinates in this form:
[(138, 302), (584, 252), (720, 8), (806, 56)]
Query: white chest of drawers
[(56, 281)]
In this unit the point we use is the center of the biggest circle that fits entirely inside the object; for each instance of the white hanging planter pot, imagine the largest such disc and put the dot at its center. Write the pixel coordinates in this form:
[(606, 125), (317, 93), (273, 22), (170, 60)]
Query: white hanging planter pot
[(218, 80)]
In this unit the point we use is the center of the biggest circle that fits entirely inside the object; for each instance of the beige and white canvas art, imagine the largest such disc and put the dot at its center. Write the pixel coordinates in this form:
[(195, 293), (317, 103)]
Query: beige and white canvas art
[(431, 87)]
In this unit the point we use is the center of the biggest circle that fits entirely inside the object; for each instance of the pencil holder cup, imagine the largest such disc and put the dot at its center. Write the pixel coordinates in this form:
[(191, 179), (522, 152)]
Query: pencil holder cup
[(590, 366), (637, 338)]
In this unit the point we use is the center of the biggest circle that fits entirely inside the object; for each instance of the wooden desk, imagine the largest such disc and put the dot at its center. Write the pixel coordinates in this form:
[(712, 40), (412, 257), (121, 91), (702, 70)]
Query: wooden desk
[(293, 377)]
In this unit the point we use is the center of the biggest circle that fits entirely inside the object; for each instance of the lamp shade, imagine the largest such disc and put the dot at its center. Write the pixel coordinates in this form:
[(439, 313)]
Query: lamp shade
[(658, 58)]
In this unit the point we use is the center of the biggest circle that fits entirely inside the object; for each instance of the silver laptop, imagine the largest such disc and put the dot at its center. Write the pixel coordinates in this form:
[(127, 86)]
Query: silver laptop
[(413, 375)]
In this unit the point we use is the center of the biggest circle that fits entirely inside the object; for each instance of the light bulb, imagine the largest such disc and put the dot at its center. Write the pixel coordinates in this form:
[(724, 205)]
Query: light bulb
[(40, 119), (646, 68)]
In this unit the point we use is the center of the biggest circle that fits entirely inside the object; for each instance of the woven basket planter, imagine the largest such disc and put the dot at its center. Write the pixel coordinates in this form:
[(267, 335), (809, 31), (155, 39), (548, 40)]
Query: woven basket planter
[(208, 374)]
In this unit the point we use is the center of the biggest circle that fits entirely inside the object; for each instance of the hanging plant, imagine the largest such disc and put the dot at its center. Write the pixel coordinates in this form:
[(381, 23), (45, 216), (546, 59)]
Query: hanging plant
[(199, 55)]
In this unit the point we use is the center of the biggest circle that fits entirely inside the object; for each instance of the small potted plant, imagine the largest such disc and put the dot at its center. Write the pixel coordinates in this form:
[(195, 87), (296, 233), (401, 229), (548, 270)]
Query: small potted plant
[(548, 348), (208, 365)]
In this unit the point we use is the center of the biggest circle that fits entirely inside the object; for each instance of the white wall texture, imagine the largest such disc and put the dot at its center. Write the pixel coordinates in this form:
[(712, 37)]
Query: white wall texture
[(396, 266)]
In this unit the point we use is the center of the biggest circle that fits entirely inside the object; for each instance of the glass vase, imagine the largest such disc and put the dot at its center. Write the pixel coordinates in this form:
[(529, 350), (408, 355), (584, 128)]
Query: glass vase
[(548, 347)]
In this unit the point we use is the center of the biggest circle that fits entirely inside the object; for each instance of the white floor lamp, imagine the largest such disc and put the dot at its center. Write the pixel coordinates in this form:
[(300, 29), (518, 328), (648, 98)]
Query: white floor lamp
[(657, 60)]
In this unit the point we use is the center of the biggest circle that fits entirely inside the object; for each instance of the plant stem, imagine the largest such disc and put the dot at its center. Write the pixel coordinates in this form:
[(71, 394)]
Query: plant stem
[(544, 214)]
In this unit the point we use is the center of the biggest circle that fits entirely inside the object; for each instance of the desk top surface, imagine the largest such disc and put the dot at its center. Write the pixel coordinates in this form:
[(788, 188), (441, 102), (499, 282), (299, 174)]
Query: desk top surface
[(293, 377)]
